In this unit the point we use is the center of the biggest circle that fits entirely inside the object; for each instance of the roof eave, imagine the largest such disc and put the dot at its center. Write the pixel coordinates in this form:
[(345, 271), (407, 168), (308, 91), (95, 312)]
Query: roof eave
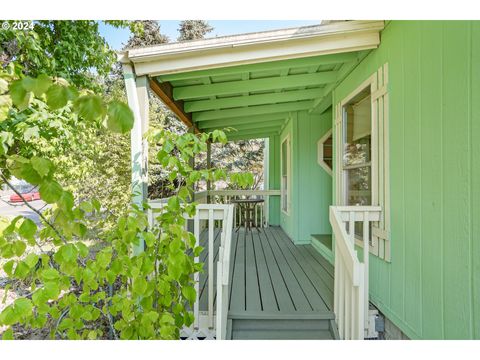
[(256, 47)]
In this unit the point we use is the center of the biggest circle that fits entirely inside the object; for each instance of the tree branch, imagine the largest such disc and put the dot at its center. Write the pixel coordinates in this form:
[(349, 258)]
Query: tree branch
[(5, 180)]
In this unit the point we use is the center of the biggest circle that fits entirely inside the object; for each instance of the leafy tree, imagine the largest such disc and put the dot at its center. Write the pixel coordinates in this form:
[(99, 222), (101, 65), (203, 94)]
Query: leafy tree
[(73, 50), (150, 35), (76, 291), (193, 29)]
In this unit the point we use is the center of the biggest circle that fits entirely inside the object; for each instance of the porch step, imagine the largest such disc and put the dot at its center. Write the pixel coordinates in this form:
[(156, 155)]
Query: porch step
[(282, 327)]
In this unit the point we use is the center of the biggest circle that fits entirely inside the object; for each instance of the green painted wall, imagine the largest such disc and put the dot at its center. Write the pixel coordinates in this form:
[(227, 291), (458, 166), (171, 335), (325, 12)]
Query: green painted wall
[(311, 186), (314, 183), (431, 288)]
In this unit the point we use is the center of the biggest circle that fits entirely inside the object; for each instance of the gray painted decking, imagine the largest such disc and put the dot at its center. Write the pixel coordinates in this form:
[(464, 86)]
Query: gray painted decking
[(273, 278)]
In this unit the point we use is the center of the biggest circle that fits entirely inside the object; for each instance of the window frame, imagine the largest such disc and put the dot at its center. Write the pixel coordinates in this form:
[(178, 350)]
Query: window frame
[(369, 164), (320, 153), (367, 84)]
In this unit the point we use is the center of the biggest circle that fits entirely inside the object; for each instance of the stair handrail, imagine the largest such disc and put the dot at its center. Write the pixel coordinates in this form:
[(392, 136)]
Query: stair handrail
[(351, 284)]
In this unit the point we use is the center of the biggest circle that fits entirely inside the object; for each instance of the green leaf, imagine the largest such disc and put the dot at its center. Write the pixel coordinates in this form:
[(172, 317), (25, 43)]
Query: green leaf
[(149, 239), (90, 107), (23, 307), (31, 260), (28, 229), (120, 117), (51, 290), (41, 165), (86, 206), (173, 204), (50, 191), (19, 247), (8, 267), (57, 96), (38, 86), (82, 248), (189, 293), (22, 270), (50, 274), (24, 170), (66, 201), (139, 286), (8, 335), (20, 97)]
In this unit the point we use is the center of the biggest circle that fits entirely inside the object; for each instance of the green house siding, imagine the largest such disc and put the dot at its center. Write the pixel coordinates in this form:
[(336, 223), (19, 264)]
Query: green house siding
[(431, 288), (311, 186)]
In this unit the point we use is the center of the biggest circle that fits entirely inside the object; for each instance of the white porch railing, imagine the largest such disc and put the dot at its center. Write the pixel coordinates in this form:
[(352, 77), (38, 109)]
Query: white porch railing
[(260, 213), (351, 303), (212, 323)]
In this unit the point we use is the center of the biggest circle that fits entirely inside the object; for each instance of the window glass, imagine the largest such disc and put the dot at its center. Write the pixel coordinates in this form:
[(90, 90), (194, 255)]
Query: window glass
[(357, 150)]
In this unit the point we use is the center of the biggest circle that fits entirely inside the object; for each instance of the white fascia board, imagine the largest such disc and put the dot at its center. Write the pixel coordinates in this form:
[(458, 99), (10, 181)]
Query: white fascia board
[(254, 48)]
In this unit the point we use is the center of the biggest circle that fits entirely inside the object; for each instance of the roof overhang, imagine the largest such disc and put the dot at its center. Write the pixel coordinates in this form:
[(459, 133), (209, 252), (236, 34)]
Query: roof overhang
[(228, 81), (331, 38)]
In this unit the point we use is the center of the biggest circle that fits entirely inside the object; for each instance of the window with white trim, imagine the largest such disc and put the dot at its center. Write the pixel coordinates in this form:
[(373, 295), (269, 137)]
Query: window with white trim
[(357, 149), (285, 169), (362, 165)]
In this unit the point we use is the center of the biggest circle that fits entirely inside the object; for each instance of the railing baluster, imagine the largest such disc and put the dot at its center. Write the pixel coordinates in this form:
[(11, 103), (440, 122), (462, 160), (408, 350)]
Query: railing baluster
[(351, 228), (211, 254), (196, 276), (366, 258)]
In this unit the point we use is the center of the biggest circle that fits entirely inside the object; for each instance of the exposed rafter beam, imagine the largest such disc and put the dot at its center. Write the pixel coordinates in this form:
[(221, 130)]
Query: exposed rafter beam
[(346, 69), (202, 105), (254, 110), (253, 135), (252, 126), (238, 87), (266, 66), (324, 104), (165, 92), (223, 123)]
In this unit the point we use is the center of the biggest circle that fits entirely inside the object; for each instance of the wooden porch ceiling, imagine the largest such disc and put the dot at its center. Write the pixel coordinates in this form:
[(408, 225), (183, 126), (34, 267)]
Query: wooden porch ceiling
[(254, 99)]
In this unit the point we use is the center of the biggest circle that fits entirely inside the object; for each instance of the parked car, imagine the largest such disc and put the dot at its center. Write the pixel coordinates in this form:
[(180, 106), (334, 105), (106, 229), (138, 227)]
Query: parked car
[(29, 193)]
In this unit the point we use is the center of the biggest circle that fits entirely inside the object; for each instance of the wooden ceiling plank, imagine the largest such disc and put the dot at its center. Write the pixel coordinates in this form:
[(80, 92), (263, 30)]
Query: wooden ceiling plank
[(254, 110), (249, 127), (238, 87), (254, 135), (265, 66), (261, 99), (223, 123)]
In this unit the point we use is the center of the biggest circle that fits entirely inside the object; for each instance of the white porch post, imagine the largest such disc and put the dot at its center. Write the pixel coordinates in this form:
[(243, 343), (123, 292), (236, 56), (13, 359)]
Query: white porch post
[(209, 166), (266, 179), (137, 95)]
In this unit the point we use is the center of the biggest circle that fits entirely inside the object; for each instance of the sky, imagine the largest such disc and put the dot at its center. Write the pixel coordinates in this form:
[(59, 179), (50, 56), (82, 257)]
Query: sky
[(117, 37)]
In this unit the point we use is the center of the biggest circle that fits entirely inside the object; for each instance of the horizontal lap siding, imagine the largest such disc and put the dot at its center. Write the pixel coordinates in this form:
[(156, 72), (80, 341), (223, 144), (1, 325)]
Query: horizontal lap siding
[(431, 287)]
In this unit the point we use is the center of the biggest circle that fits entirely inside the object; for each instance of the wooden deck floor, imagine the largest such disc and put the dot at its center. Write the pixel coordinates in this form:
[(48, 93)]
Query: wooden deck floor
[(272, 276)]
